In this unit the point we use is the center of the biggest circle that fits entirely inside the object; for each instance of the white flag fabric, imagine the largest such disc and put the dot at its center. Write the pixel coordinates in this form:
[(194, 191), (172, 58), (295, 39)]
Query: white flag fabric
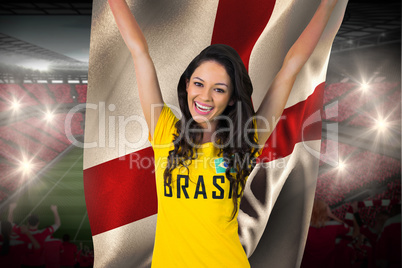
[(119, 179)]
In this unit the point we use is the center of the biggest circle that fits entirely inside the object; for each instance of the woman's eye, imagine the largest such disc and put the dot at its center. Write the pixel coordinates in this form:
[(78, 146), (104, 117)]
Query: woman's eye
[(198, 84), (219, 90)]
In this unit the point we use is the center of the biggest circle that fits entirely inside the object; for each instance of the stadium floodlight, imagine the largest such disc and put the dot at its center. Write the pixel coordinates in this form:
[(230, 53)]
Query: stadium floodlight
[(381, 124), (364, 87), (57, 81), (49, 116), (42, 81), (26, 166), (341, 165), (85, 81), (15, 105)]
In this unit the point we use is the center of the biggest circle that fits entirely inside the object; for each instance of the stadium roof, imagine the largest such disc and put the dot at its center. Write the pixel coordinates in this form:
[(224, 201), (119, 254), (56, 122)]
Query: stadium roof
[(366, 23), (46, 7)]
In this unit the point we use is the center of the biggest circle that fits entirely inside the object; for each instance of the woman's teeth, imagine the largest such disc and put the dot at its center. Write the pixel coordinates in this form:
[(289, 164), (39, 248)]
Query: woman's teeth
[(203, 108)]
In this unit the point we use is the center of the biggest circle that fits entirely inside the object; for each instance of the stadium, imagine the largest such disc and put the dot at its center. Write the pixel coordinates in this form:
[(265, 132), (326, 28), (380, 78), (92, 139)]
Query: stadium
[(43, 86)]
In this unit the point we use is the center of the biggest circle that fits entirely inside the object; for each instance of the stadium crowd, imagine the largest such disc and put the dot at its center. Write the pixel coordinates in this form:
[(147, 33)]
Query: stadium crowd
[(343, 240), (28, 246), (351, 242)]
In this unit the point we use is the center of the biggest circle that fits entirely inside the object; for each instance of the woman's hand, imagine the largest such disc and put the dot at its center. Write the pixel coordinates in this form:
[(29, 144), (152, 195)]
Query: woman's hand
[(128, 27)]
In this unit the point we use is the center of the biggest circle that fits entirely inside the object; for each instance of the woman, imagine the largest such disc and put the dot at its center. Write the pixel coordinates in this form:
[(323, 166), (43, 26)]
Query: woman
[(207, 155)]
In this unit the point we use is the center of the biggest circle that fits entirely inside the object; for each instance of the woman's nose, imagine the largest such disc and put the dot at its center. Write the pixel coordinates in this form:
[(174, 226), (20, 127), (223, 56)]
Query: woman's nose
[(206, 94)]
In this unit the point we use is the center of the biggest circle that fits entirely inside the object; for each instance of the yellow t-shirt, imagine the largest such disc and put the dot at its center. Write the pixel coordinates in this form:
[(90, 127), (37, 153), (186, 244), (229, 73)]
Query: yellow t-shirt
[(194, 226)]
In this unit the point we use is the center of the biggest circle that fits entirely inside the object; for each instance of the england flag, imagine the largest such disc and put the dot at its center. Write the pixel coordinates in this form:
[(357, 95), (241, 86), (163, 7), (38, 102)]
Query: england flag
[(119, 177)]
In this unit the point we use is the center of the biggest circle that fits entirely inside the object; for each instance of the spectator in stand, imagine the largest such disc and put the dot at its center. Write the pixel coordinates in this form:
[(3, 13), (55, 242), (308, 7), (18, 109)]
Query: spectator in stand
[(363, 252), (320, 244), (371, 234), (91, 253), (86, 257), (388, 250), (35, 257), (12, 250), (53, 249), (69, 253)]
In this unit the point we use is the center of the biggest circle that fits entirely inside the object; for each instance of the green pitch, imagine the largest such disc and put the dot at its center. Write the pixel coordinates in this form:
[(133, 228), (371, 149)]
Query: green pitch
[(61, 185)]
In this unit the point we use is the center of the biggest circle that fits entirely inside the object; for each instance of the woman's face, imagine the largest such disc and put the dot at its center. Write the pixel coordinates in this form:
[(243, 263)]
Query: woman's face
[(209, 93)]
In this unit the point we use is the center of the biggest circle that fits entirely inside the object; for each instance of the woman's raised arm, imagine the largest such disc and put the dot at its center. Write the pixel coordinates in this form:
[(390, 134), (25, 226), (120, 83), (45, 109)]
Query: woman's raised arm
[(275, 99), (147, 81)]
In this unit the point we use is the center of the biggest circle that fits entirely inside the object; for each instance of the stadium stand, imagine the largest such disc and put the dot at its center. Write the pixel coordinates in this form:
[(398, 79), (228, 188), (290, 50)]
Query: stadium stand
[(363, 169), (12, 92), (62, 92), (331, 150), (389, 110), (382, 88), (4, 106), (354, 101), (75, 128), (333, 91), (368, 212), (82, 93), (41, 93), (42, 137), (347, 105), (392, 193), (3, 195), (31, 145), (51, 130), (8, 151)]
